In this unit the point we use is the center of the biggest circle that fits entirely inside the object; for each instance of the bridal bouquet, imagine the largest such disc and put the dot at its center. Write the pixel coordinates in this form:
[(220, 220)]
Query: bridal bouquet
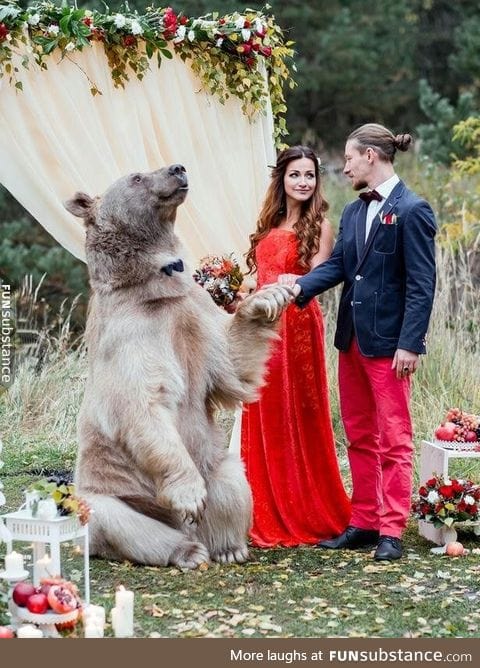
[(221, 277), (444, 502)]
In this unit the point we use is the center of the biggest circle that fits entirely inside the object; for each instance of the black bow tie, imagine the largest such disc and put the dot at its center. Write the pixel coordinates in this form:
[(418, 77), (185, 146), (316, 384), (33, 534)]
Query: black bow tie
[(173, 266), (371, 195)]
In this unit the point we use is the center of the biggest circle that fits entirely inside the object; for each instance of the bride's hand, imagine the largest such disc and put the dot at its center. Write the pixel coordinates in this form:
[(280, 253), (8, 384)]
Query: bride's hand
[(288, 279)]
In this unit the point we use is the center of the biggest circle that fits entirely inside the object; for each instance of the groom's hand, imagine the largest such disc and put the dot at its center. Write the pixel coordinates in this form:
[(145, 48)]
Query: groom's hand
[(289, 279), (404, 362)]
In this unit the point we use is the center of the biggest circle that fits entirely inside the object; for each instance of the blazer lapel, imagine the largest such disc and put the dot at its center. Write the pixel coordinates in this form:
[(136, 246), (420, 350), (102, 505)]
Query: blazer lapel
[(386, 208), (360, 227)]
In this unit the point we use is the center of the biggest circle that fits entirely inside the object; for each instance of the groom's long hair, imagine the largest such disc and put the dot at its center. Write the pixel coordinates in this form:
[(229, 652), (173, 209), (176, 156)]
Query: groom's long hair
[(308, 228)]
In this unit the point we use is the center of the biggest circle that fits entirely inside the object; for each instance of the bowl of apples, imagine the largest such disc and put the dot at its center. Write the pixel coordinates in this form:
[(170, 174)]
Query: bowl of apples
[(55, 601), (459, 431)]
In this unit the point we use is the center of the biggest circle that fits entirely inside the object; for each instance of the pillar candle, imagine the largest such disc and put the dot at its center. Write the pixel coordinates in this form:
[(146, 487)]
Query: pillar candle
[(93, 630), (122, 619), (42, 568), (14, 564)]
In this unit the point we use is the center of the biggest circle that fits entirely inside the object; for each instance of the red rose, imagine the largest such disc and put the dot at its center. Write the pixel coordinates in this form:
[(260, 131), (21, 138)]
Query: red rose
[(461, 506), (3, 31), (446, 491), (87, 21), (456, 487), (250, 62), (266, 51), (423, 491), (425, 508), (244, 48), (129, 40), (183, 20), (432, 482), (472, 509), (247, 24), (170, 20)]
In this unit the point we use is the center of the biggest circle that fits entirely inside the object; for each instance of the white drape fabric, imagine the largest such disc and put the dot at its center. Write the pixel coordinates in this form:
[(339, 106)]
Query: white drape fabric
[(56, 138)]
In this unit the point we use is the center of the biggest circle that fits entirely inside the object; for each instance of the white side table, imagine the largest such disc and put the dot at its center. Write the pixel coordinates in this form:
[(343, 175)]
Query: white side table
[(434, 459), (23, 527)]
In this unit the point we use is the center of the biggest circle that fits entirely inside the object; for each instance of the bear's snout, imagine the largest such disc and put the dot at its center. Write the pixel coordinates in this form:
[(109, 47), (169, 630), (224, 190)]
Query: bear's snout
[(180, 172)]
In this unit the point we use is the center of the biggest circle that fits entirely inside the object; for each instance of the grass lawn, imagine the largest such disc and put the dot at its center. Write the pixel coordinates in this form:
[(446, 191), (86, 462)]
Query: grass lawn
[(301, 592)]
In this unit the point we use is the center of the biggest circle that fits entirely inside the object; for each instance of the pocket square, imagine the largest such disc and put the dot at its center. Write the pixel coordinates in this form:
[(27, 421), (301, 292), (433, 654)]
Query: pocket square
[(388, 219)]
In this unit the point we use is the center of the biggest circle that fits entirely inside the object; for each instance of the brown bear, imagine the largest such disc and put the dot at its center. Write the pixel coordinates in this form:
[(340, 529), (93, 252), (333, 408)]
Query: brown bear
[(152, 462)]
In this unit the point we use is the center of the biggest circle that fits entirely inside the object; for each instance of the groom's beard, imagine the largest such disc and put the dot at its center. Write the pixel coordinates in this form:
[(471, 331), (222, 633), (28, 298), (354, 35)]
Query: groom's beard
[(359, 185)]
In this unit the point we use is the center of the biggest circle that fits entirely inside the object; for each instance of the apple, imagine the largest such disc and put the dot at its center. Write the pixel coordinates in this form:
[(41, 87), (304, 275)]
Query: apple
[(38, 604), (454, 549), (61, 599), (21, 593), (5, 632)]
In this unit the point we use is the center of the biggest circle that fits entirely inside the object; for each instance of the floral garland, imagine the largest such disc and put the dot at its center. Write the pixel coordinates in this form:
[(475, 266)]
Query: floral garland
[(224, 52)]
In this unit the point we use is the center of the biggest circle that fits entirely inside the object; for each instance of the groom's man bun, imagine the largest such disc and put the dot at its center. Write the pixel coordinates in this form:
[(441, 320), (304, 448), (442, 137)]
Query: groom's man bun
[(381, 139)]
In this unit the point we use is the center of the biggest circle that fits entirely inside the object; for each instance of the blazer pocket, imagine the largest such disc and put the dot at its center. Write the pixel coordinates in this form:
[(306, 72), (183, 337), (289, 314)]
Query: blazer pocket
[(388, 317), (386, 239)]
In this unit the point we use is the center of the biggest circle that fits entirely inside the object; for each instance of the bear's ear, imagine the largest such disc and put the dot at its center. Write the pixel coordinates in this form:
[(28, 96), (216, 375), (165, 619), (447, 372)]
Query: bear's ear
[(80, 205)]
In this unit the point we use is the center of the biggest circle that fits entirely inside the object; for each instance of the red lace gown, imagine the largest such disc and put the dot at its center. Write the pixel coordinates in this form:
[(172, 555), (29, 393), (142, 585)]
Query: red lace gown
[(287, 440)]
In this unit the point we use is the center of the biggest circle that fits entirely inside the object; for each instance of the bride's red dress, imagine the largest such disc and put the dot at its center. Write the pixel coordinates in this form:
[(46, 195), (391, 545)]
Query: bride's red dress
[(287, 438)]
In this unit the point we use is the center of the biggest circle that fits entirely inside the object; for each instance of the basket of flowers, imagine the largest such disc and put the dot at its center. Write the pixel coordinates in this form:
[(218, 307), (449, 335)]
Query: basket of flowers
[(459, 431), (446, 504), (221, 277)]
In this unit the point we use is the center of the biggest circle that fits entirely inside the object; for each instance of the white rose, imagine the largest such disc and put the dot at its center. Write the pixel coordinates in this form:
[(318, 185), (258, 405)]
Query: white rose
[(136, 28), (219, 41), (469, 500), (258, 25), (119, 20), (432, 496), (53, 29), (34, 19), (246, 34), (180, 34), (191, 35), (70, 46), (240, 22)]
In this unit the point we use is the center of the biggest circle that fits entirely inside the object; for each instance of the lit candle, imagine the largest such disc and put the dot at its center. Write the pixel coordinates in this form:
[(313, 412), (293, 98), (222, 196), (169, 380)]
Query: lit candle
[(29, 631), (122, 618), (14, 564), (42, 568)]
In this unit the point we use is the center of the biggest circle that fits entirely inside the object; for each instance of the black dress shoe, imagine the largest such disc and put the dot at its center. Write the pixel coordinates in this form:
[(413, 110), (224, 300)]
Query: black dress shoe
[(388, 549), (351, 539)]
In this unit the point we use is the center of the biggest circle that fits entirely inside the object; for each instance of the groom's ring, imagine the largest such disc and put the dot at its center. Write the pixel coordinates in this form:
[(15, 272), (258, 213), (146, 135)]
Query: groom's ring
[(405, 369)]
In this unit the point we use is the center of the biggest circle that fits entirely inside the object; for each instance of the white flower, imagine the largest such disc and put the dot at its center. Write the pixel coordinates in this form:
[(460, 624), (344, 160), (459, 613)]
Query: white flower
[(119, 20), (34, 19), (469, 500), (432, 496), (219, 41), (240, 22), (191, 35), (180, 34), (53, 29), (70, 46), (258, 25), (136, 28), (88, 13), (246, 34)]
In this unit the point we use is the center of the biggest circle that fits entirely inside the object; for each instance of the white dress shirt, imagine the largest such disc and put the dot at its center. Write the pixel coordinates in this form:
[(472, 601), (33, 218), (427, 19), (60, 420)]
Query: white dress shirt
[(384, 189)]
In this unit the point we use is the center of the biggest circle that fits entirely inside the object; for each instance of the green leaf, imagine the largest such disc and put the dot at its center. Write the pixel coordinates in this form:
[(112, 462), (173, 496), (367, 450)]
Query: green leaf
[(166, 53), (19, 85)]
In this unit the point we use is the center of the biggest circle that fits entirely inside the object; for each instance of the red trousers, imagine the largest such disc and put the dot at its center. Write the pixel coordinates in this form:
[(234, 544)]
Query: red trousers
[(375, 412)]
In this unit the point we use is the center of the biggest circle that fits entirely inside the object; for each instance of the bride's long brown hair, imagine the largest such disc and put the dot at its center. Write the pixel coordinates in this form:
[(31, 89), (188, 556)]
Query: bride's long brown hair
[(274, 209)]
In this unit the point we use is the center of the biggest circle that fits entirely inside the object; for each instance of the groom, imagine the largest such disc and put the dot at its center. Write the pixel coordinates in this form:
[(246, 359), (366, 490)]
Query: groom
[(385, 257)]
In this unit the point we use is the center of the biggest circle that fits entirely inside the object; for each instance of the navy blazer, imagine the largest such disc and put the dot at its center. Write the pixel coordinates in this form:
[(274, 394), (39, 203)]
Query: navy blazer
[(388, 282)]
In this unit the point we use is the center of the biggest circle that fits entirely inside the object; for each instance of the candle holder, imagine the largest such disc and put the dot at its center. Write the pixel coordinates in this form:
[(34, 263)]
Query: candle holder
[(23, 527)]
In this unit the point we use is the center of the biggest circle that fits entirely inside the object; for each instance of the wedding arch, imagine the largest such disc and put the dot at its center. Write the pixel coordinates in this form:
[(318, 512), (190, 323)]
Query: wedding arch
[(86, 97)]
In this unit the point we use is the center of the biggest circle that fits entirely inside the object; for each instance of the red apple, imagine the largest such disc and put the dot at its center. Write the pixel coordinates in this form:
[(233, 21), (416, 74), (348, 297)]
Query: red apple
[(454, 549), (5, 632), (38, 604), (21, 593), (61, 599)]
